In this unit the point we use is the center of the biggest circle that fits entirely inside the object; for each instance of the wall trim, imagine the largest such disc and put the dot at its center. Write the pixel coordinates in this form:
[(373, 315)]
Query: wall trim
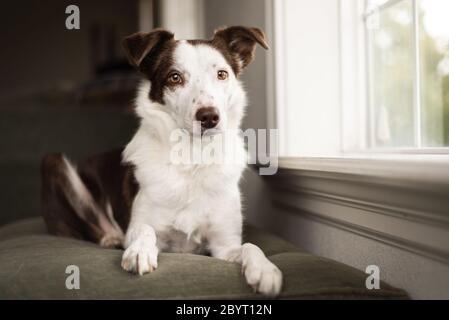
[(413, 220), (385, 238), (402, 213)]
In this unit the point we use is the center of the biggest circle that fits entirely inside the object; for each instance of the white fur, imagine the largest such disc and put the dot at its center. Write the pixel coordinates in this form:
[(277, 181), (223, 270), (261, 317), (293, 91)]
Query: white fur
[(191, 207)]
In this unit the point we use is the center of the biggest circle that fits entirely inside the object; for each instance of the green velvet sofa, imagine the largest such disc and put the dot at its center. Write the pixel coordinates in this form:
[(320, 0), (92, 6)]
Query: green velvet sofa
[(33, 265)]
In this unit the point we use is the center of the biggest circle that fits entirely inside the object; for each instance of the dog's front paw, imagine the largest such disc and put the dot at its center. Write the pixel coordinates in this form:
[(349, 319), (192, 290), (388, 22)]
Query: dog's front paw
[(140, 258), (263, 276)]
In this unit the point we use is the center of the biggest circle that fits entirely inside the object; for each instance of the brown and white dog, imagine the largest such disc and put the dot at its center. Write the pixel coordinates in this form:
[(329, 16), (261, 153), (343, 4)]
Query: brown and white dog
[(136, 197)]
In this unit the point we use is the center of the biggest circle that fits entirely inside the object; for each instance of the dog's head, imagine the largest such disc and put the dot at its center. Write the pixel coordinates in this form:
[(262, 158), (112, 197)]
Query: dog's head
[(195, 80)]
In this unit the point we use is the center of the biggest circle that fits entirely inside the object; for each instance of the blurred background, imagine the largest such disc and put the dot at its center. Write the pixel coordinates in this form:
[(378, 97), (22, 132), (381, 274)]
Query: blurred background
[(358, 90), (61, 90)]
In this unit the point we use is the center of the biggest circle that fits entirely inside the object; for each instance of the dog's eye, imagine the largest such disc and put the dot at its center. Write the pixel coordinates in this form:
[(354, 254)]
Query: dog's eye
[(175, 78), (222, 75)]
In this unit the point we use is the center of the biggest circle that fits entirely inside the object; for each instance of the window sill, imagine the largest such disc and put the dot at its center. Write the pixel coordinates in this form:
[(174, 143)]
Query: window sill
[(409, 170)]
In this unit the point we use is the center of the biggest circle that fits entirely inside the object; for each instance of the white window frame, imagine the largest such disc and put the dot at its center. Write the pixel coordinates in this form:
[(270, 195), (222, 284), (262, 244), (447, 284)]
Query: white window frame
[(354, 78), (353, 54), (278, 111)]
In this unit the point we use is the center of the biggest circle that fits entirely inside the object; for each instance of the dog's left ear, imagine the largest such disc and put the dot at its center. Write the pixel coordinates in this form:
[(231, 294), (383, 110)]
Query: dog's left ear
[(138, 45), (241, 42)]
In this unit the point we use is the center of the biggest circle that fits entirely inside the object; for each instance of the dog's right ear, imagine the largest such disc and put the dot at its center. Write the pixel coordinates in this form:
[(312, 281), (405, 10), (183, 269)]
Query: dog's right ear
[(138, 45)]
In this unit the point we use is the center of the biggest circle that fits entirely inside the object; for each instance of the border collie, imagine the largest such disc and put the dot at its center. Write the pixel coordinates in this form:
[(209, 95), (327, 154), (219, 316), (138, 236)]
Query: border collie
[(136, 198)]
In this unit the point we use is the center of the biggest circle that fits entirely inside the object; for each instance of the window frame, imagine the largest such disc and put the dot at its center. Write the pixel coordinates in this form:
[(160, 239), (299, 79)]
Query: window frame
[(356, 124), (278, 111)]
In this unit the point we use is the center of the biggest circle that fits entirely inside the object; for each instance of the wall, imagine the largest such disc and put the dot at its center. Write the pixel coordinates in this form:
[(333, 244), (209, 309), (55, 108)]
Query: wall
[(183, 17), (421, 277)]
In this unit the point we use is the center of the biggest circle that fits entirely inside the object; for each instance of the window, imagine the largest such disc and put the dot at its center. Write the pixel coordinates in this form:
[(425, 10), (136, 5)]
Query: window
[(357, 76), (408, 73)]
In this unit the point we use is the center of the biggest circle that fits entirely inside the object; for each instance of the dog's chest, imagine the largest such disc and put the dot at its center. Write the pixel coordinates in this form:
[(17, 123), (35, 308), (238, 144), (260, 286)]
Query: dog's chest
[(182, 214), (173, 240), (182, 202), (192, 188)]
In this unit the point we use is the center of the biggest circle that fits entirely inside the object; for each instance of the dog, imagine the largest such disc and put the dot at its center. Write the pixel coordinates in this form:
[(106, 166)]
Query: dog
[(135, 198)]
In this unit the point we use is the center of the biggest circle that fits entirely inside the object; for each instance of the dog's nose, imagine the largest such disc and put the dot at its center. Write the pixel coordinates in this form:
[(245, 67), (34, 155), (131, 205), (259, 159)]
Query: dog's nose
[(208, 116)]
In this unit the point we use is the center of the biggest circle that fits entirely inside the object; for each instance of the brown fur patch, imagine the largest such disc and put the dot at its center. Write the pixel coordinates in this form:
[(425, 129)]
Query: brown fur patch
[(156, 67), (237, 45), (240, 43), (152, 54), (108, 181)]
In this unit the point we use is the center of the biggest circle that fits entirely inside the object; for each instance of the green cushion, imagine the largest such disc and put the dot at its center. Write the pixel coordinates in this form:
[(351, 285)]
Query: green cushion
[(30, 226), (33, 264)]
